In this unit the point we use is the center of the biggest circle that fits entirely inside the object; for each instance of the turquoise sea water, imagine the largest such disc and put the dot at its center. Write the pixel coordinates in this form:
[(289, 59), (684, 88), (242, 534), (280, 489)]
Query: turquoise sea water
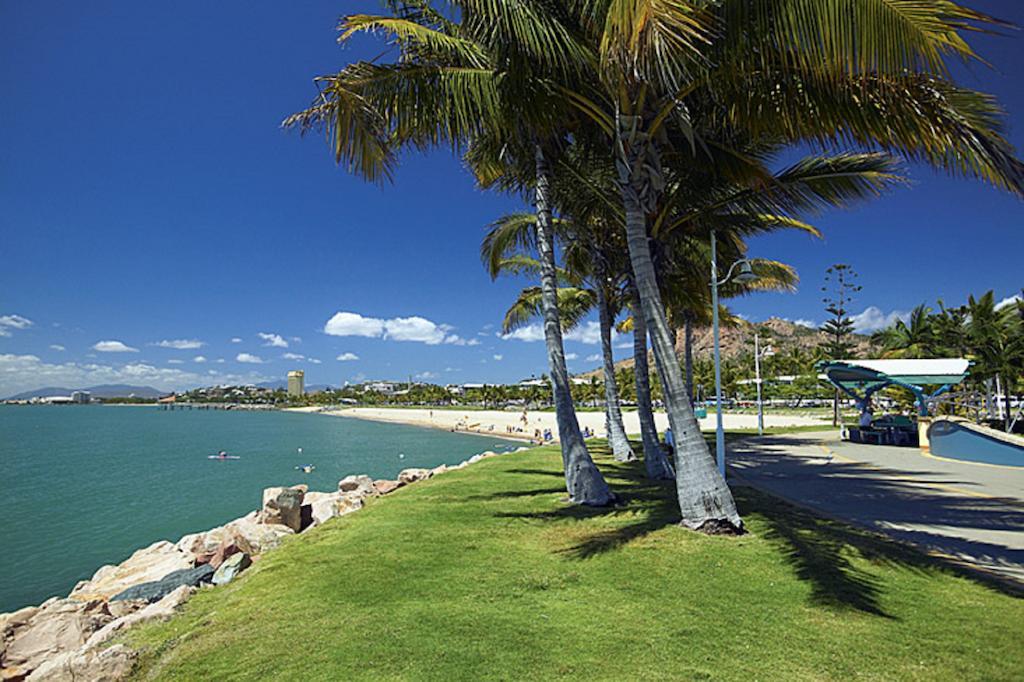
[(84, 486)]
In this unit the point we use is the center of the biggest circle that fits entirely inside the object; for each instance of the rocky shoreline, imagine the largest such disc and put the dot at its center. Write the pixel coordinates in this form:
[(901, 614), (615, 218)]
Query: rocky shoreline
[(68, 638)]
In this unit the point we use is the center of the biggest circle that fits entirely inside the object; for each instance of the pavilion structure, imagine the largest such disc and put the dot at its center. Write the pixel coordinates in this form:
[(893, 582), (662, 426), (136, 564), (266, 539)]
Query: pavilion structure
[(925, 378)]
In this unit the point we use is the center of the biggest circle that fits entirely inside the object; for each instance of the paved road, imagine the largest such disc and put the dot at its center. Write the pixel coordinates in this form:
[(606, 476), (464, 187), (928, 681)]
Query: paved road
[(973, 512)]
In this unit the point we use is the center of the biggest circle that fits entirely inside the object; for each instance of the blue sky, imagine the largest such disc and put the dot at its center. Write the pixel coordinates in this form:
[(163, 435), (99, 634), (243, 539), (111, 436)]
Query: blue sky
[(150, 196)]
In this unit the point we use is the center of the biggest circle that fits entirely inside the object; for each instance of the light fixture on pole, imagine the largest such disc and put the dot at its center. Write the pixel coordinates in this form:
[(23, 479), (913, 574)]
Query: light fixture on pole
[(758, 354), (744, 276)]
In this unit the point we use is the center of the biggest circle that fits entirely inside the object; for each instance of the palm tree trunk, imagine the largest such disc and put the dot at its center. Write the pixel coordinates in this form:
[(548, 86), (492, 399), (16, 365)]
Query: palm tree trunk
[(705, 500), (582, 479), (688, 353), (615, 429), (655, 462)]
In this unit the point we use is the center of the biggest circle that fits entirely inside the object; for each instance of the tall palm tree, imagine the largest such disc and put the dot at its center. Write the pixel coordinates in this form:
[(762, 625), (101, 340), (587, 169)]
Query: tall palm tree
[(456, 80), (586, 263)]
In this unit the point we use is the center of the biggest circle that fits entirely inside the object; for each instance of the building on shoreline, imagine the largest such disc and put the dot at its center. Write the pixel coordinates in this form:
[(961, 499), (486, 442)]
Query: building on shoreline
[(81, 397), (296, 383)]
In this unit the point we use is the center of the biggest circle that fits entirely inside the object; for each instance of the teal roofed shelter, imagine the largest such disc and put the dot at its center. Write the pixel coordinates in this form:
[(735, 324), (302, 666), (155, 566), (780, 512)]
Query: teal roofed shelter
[(860, 379)]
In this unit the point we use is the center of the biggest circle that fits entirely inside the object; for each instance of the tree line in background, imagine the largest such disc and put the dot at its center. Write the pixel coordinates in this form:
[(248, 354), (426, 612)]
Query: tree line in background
[(991, 336), (644, 133)]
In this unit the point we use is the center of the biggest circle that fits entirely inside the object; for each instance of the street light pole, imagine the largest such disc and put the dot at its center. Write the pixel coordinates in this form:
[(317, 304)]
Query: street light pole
[(744, 276), (757, 371), (719, 430)]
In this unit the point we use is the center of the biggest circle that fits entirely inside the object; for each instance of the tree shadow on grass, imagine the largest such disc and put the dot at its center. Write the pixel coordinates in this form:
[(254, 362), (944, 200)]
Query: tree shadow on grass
[(833, 557)]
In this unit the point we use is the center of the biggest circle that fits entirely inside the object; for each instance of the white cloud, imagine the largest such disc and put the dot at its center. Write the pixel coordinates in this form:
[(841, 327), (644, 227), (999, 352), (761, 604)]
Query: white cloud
[(529, 333), (417, 329), (624, 345), (595, 358), (588, 332), (296, 339), (113, 347), (236, 340), (498, 356), (810, 324), (199, 358), (57, 347), (249, 358), (423, 376), (1008, 301), (23, 372), (220, 361), (15, 322), (4, 332), (421, 330), (273, 340), (175, 362), (181, 344), (314, 361), (571, 356), (293, 356), (354, 324), (873, 318), (347, 357)]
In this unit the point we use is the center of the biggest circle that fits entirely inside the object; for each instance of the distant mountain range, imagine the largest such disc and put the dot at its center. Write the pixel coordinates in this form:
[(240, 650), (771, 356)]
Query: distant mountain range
[(738, 340), (101, 391)]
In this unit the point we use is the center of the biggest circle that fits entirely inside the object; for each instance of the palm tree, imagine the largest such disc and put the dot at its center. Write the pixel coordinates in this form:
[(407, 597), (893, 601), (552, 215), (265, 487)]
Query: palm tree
[(914, 340), (453, 82), (587, 263), (674, 86), (996, 340), (671, 74)]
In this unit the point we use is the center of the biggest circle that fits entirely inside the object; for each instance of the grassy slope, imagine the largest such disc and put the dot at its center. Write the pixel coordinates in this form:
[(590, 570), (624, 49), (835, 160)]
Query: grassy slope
[(484, 573)]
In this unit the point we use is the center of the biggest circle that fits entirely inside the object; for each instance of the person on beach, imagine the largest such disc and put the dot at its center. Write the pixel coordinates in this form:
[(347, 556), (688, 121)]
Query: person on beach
[(670, 439)]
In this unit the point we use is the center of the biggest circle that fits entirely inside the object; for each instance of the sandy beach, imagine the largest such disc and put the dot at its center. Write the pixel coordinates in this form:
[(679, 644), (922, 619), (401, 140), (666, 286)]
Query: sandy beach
[(498, 422)]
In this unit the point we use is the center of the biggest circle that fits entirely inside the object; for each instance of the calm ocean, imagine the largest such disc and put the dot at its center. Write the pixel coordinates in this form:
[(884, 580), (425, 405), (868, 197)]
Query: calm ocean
[(85, 486)]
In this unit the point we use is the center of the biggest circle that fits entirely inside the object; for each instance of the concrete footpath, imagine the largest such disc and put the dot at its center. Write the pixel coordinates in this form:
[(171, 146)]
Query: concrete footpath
[(972, 512)]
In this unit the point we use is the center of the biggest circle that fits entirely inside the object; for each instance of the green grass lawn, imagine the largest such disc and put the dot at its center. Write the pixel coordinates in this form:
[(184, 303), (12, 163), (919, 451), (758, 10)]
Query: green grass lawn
[(485, 573)]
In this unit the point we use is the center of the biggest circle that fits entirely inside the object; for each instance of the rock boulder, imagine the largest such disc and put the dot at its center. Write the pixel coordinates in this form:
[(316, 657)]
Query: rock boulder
[(232, 566), (254, 537), (158, 589), (146, 565), (283, 506), (95, 665), (383, 487), (361, 483), (407, 476), (61, 625)]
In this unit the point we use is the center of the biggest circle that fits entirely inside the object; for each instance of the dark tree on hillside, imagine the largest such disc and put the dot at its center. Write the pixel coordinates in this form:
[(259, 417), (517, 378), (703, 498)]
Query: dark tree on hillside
[(839, 289)]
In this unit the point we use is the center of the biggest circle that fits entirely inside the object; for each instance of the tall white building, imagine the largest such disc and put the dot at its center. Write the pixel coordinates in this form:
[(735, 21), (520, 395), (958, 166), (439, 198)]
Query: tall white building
[(296, 383)]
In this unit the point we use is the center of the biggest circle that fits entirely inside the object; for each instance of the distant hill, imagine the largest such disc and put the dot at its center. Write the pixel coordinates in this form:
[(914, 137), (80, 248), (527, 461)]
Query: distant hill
[(736, 341), (782, 334), (101, 391)]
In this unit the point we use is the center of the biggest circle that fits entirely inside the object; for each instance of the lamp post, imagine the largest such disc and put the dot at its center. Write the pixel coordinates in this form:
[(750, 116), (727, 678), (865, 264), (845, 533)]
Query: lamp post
[(758, 354), (746, 274)]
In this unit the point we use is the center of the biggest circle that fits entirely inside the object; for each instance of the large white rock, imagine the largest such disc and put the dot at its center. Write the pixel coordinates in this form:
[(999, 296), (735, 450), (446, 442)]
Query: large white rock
[(95, 665), (337, 504), (258, 537), (361, 483), (146, 565), (63, 625), (407, 476)]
